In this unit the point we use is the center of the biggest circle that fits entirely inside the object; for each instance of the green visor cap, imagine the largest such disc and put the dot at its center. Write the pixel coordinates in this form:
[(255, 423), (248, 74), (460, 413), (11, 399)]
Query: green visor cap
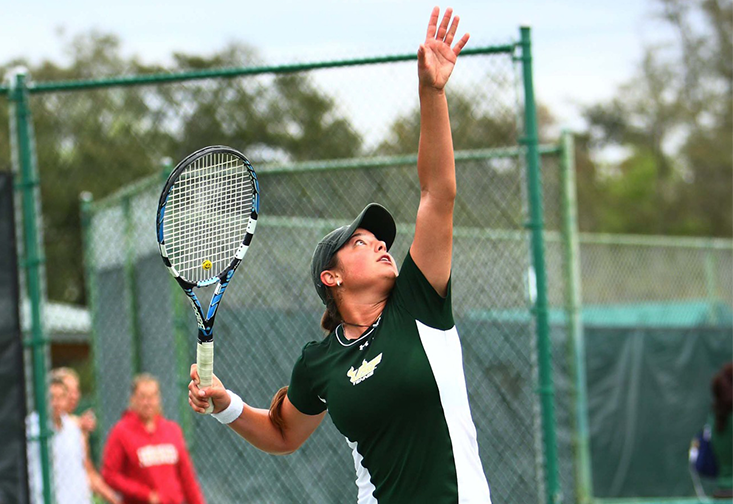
[(374, 218)]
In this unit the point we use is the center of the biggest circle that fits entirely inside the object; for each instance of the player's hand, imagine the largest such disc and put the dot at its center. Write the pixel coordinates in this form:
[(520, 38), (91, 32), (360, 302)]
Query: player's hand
[(436, 58), (198, 398)]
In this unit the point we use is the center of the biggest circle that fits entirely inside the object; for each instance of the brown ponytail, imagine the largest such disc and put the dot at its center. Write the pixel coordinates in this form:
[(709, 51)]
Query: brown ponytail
[(276, 414), (331, 317)]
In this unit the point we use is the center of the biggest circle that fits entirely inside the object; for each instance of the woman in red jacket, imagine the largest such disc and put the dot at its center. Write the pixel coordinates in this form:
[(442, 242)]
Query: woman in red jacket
[(145, 458)]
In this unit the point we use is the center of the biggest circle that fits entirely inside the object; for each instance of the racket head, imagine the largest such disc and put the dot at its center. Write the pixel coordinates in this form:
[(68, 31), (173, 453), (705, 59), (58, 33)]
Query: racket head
[(207, 214)]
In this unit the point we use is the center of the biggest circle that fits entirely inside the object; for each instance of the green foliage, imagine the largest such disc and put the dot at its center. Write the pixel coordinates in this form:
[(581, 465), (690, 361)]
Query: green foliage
[(673, 118), (103, 139), (307, 127), (633, 191), (472, 127)]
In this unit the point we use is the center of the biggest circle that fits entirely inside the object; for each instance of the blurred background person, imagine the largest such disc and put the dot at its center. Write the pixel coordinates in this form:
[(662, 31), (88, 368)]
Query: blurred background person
[(721, 437), (86, 419), (67, 450), (145, 457), (87, 423)]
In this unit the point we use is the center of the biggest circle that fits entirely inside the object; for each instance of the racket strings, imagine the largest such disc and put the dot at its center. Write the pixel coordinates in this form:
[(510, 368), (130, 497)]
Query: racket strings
[(207, 214)]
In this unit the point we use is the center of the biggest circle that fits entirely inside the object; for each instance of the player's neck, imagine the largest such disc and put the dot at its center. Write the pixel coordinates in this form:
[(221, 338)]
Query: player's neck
[(357, 318)]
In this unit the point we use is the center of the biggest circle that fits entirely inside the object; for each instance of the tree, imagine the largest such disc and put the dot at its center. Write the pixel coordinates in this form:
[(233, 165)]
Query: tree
[(474, 126), (102, 139), (673, 120)]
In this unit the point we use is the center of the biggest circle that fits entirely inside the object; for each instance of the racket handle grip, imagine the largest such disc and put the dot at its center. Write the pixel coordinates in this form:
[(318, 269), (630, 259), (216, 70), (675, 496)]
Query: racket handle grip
[(205, 366)]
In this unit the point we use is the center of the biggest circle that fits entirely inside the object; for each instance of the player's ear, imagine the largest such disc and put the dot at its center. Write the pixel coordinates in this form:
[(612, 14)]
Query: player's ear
[(330, 278)]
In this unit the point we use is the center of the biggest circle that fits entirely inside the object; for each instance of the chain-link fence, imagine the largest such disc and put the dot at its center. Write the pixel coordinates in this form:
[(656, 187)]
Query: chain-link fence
[(324, 144), (658, 323), (270, 312)]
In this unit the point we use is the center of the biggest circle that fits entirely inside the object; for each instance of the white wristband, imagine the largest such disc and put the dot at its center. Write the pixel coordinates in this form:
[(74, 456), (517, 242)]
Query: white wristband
[(232, 412)]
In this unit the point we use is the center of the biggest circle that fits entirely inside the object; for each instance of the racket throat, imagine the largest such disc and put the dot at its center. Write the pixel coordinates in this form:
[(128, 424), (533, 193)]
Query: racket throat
[(206, 335)]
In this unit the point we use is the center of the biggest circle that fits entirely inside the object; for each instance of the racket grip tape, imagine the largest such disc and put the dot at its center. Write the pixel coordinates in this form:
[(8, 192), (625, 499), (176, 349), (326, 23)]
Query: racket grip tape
[(205, 366)]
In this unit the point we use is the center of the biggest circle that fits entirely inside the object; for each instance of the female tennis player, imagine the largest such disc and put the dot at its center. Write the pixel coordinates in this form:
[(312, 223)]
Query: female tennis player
[(390, 370)]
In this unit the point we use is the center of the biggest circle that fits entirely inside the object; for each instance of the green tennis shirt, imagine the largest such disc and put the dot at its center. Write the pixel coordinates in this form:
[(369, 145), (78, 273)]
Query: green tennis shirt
[(398, 395)]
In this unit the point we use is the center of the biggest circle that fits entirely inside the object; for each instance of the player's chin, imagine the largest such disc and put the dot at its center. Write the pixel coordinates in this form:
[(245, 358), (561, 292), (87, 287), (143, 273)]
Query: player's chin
[(394, 272), (390, 281)]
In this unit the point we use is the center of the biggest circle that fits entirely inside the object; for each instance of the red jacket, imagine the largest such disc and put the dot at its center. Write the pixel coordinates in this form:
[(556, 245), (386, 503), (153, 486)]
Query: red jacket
[(136, 462)]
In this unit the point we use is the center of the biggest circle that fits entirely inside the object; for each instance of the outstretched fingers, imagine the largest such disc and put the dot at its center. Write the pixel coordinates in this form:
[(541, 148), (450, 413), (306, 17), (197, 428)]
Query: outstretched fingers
[(433, 23), (439, 33), (446, 32), (444, 26), (461, 44), (452, 30)]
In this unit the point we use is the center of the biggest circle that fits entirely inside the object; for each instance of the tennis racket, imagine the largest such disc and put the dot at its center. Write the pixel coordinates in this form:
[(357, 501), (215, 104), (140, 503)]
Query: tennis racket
[(206, 219)]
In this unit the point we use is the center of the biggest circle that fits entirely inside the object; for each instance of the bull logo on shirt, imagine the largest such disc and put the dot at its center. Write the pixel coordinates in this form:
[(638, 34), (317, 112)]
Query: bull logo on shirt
[(365, 370)]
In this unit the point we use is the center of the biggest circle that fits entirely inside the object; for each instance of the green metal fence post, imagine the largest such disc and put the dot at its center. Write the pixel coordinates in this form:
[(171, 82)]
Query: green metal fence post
[(85, 208), (573, 303), (536, 225), (20, 125)]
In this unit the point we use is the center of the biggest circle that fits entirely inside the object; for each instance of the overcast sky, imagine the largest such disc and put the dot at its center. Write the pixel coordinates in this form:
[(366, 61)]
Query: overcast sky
[(582, 49)]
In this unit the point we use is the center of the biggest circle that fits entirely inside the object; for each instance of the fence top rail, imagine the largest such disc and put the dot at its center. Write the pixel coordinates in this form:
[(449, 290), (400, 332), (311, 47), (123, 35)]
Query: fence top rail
[(656, 241), (164, 78)]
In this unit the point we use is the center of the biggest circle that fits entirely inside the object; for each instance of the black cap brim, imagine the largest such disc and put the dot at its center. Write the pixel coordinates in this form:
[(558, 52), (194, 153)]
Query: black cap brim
[(376, 219)]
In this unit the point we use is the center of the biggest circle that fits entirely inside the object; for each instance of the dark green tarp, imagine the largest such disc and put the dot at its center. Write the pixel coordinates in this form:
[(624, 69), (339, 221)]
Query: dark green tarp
[(648, 394)]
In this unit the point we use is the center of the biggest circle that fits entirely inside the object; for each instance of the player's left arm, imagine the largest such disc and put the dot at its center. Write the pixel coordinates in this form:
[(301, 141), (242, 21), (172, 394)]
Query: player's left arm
[(256, 425), (432, 246)]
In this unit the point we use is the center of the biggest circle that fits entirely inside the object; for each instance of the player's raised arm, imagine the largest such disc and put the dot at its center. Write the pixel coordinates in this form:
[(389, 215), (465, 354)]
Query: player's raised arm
[(433, 243)]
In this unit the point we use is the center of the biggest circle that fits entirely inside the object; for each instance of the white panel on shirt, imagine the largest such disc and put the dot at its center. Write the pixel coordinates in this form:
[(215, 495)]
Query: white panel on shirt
[(443, 349), (363, 478)]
